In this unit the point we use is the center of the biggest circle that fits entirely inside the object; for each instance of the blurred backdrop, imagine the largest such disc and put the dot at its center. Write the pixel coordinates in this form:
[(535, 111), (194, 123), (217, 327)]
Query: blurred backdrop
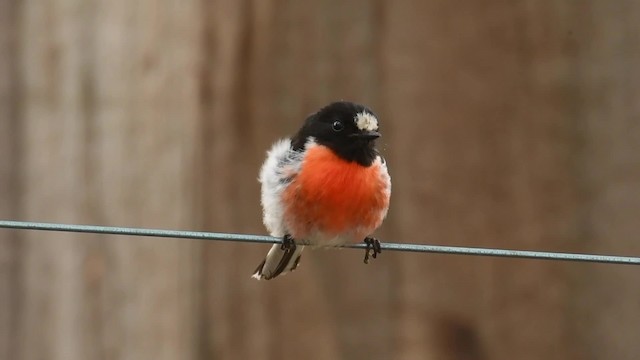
[(510, 124)]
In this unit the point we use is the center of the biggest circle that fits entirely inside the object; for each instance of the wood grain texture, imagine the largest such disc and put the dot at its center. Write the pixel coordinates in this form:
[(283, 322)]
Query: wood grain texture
[(504, 125), (488, 173), (606, 305), (108, 122), (10, 245)]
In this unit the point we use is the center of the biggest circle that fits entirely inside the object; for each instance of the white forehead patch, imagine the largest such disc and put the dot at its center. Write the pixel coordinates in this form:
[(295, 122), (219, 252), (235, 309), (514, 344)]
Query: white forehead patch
[(366, 122)]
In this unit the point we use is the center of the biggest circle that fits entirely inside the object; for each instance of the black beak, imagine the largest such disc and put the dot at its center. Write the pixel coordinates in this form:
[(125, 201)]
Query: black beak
[(366, 135)]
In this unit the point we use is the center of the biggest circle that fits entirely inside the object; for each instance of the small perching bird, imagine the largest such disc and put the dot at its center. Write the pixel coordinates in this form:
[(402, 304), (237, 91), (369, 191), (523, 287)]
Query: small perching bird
[(326, 186)]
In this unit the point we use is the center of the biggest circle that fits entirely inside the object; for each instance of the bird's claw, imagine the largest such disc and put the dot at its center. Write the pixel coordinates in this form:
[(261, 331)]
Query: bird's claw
[(373, 248), (287, 243)]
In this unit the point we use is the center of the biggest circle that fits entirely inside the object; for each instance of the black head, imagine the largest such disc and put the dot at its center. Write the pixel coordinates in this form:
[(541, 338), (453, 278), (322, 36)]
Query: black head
[(348, 129)]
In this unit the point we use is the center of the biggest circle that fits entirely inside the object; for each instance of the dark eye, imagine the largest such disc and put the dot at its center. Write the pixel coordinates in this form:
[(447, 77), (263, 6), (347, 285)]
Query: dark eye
[(337, 126)]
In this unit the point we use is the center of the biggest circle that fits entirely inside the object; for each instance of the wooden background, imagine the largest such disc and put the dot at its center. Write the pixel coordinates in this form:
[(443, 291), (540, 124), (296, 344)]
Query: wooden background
[(505, 123)]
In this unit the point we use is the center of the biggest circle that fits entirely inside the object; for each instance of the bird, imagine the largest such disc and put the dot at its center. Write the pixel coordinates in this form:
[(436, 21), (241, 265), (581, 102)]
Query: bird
[(324, 187)]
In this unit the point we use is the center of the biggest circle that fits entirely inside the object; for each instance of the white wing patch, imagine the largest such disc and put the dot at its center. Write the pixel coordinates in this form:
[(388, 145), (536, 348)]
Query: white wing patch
[(384, 174), (281, 165), (366, 122)]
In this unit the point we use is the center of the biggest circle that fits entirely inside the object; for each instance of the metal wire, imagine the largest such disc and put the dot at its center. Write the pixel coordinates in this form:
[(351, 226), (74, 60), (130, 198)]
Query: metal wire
[(198, 235)]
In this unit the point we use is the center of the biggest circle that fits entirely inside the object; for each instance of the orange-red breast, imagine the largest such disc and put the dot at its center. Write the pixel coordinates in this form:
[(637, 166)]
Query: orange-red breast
[(325, 186)]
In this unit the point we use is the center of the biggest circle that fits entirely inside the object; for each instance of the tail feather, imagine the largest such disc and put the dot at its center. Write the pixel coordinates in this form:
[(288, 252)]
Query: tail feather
[(278, 261)]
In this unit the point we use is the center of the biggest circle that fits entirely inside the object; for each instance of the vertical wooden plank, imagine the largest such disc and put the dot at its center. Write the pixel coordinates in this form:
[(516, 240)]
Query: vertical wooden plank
[(110, 114), (52, 148), (9, 181), (433, 201), (224, 24), (605, 304), (145, 129), (239, 316), (480, 169), (543, 154), (268, 72)]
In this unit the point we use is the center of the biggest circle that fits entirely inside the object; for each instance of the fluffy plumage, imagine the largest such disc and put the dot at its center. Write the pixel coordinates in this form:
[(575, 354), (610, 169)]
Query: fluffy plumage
[(324, 187)]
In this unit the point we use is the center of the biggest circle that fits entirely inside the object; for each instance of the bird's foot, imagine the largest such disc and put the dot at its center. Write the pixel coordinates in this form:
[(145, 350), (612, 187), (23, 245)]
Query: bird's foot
[(287, 243), (373, 248)]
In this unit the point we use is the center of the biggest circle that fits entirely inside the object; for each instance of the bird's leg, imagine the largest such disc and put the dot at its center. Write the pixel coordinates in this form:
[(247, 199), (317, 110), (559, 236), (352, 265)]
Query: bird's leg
[(373, 247), (287, 243)]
